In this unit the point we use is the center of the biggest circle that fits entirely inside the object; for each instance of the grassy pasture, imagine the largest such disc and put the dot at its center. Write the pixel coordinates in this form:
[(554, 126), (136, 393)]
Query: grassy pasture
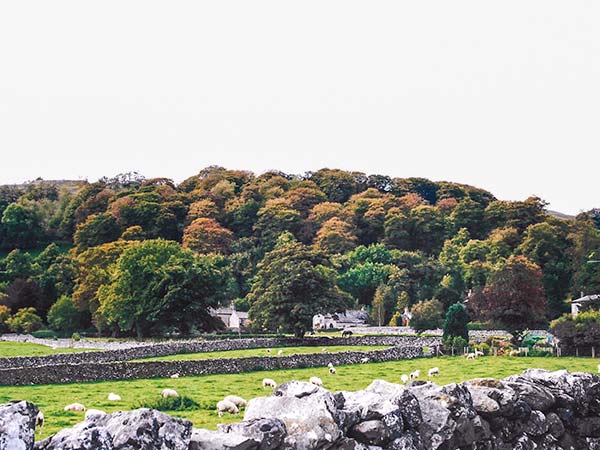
[(247, 353), (207, 390), (10, 349)]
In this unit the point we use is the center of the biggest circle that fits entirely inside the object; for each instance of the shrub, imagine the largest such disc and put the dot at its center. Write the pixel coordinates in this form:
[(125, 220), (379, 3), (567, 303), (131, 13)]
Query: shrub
[(44, 334), (484, 348), (76, 337), (25, 320), (427, 315), (172, 404), (4, 316)]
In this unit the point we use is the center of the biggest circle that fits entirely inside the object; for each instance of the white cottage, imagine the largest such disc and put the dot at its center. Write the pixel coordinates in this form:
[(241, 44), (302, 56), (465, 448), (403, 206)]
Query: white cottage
[(341, 320), (233, 320)]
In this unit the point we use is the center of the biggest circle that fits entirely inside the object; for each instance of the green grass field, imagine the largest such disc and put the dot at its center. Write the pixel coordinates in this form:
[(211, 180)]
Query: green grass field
[(10, 349), (247, 353), (207, 390)]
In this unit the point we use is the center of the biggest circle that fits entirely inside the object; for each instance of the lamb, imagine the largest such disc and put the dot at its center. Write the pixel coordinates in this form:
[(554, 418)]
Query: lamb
[(75, 407), (330, 365), (94, 413), (324, 350), (514, 353), (226, 406), (175, 375), (433, 371), (112, 397), (478, 353), (404, 378), (280, 352), (364, 360), (316, 381), (39, 421), (169, 393), (416, 374), (470, 356), (332, 371), (237, 401), (269, 382)]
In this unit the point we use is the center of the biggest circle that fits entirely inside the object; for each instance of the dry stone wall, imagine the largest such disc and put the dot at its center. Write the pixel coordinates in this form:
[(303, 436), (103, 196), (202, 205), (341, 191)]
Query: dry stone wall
[(534, 410)]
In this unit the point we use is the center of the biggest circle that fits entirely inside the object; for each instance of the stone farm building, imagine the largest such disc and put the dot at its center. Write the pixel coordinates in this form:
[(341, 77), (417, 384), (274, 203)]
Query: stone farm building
[(233, 320), (341, 320)]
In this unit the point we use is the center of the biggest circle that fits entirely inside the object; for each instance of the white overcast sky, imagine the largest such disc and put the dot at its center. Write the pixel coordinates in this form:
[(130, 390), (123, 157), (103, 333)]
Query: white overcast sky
[(500, 95)]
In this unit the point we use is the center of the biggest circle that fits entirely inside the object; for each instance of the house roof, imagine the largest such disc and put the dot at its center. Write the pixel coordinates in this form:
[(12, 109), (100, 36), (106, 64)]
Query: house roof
[(586, 298)]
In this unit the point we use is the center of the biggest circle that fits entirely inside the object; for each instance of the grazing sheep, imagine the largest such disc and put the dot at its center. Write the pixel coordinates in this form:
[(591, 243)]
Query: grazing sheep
[(75, 407), (416, 374), (39, 421), (364, 360), (169, 393), (598, 368), (347, 333), (324, 350), (269, 382), (226, 406), (433, 371), (514, 353), (332, 371), (237, 401), (478, 353), (175, 375), (316, 381), (112, 397), (330, 365), (470, 356), (404, 378), (268, 350), (280, 352), (94, 413)]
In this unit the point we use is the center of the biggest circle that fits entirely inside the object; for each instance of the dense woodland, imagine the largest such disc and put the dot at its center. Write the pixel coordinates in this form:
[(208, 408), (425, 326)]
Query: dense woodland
[(136, 256)]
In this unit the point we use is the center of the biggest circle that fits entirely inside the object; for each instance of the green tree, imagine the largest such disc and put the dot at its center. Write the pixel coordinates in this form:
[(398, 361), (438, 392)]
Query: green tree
[(18, 265), (96, 230), (335, 236), (25, 320), (65, 317), (456, 323), (427, 315), (156, 285), (293, 284), (22, 225)]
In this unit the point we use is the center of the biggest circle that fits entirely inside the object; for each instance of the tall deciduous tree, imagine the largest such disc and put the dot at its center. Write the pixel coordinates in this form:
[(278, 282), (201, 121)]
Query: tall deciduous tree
[(156, 285), (206, 235), (456, 323), (515, 297), (293, 284)]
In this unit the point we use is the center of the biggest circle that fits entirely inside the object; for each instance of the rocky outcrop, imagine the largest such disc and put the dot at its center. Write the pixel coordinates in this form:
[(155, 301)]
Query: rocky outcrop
[(534, 410), (17, 425), (141, 429)]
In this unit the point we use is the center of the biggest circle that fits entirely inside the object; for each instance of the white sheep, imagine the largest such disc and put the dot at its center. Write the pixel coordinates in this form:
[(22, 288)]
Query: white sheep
[(433, 371), (39, 421), (414, 375), (404, 378), (316, 381), (514, 353), (112, 397), (175, 375), (237, 401), (364, 360), (169, 393), (332, 371), (324, 350), (279, 352), (478, 353), (75, 407), (226, 406), (330, 365), (598, 368), (94, 413), (269, 382), (470, 356)]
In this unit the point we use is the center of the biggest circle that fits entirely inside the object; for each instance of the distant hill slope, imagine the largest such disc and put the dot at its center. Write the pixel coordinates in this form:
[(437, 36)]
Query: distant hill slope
[(560, 215)]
